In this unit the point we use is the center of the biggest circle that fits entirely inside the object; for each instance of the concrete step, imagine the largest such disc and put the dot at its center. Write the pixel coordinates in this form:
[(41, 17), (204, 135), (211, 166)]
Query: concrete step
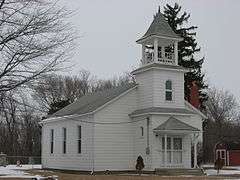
[(178, 171)]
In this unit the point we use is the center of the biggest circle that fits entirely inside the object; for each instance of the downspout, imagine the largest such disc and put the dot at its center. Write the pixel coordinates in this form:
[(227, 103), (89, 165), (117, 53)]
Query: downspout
[(93, 147), (148, 148)]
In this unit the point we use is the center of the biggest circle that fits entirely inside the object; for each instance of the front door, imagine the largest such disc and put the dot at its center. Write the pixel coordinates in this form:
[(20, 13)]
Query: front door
[(221, 153), (174, 151)]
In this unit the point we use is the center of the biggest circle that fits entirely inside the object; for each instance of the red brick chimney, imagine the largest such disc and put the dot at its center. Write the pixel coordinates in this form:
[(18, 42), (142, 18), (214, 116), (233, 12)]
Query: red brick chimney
[(194, 95)]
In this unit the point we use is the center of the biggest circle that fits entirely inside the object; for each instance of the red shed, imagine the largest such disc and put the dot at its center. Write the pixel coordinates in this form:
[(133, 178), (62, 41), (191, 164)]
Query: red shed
[(229, 152)]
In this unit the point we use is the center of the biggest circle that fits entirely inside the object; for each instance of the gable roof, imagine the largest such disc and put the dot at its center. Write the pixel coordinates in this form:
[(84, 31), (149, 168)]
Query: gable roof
[(90, 102), (160, 27), (161, 110), (175, 124)]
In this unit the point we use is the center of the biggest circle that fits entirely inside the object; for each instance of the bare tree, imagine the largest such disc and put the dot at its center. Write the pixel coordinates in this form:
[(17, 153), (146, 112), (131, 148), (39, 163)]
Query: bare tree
[(101, 85), (35, 39), (222, 123), (54, 92), (57, 90), (29, 130), (19, 128), (8, 109)]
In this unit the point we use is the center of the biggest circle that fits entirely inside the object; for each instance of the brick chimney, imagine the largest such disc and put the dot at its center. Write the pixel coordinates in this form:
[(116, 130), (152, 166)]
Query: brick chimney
[(194, 95)]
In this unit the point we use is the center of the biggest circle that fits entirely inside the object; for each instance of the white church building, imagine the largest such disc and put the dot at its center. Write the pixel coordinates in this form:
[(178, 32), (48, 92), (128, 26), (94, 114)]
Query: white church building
[(108, 130)]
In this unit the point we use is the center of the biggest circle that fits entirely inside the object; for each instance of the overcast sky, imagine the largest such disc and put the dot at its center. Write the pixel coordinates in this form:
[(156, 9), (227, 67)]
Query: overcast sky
[(109, 29)]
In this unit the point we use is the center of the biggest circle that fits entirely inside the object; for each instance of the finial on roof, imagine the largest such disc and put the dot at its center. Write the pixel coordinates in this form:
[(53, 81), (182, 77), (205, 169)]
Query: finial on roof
[(158, 12), (160, 27)]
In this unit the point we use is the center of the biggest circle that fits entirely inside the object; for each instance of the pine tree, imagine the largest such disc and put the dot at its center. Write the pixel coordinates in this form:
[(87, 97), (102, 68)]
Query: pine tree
[(57, 105), (187, 49)]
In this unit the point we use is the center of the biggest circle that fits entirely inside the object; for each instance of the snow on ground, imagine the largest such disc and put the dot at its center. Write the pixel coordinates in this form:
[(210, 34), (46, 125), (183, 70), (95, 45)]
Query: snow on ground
[(14, 171), (227, 170), (212, 172)]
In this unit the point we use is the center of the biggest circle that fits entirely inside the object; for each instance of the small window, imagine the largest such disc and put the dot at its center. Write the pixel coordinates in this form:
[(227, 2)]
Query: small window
[(64, 140), (142, 131), (223, 154), (79, 139), (51, 141), (168, 90)]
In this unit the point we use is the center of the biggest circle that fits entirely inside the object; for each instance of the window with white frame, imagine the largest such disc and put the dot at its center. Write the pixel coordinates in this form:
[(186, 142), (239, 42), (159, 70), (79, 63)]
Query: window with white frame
[(168, 90), (141, 131), (64, 140), (51, 140), (79, 139)]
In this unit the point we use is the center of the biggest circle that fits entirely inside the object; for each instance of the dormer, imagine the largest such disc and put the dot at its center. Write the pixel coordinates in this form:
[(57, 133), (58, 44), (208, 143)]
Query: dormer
[(159, 43)]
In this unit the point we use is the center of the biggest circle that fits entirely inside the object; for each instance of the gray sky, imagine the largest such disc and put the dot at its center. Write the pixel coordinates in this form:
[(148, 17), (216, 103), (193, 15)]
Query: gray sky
[(109, 29)]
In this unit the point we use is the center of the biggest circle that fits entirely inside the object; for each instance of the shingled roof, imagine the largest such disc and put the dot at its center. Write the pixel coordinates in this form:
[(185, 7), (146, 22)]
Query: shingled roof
[(160, 27), (175, 124), (91, 102)]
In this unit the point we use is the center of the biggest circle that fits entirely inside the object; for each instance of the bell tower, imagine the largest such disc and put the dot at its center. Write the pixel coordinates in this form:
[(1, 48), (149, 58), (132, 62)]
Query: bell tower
[(159, 43), (160, 79)]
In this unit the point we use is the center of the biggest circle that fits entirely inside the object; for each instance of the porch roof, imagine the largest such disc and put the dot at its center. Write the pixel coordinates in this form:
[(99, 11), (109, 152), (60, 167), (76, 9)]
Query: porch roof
[(175, 124)]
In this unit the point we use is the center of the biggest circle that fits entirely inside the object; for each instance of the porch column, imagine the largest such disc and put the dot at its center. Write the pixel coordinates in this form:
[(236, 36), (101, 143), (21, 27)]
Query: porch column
[(155, 50), (165, 150), (195, 153), (176, 52), (195, 141), (163, 52)]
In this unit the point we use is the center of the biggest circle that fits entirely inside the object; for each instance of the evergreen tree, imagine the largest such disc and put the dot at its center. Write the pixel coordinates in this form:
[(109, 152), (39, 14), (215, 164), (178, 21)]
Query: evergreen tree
[(57, 105), (187, 49), (140, 164)]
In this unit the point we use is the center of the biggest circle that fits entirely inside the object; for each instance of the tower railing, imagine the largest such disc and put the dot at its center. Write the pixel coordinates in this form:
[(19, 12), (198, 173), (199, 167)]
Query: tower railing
[(169, 58)]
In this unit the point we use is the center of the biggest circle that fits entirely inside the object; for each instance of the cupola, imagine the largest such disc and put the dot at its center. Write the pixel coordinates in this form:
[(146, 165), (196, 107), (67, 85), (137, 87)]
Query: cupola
[(159, 43)]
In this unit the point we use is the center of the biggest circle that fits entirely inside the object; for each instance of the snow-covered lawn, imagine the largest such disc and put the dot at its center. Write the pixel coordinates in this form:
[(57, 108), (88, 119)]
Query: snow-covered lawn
[(15, 172), (227, 170)]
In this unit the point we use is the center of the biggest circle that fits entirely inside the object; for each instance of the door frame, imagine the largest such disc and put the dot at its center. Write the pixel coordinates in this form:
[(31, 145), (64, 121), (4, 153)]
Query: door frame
[(172, 150)]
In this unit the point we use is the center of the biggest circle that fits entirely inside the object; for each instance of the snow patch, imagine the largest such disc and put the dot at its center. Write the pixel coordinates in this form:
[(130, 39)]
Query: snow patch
[(14, 171), (213, 172)]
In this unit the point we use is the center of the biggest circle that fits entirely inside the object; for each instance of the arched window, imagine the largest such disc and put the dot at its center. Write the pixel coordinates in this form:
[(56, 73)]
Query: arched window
[(168, 90)]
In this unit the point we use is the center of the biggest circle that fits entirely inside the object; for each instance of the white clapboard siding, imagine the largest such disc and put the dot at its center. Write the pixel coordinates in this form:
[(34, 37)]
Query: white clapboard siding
[(145, 89), (151, 88), (159, 79), (71, 160), (113, 143), (140, 142)]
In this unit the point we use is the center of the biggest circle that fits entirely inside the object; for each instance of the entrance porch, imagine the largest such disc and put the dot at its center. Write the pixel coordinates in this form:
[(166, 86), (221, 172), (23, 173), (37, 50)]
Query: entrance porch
[(173, 140)]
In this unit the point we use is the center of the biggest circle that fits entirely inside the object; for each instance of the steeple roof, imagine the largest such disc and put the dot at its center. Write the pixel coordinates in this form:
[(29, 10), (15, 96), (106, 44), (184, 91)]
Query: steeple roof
[(160, 27)]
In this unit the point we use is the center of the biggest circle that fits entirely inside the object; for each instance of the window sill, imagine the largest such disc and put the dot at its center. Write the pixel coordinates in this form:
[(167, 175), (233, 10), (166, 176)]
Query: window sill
[(169, 102)]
